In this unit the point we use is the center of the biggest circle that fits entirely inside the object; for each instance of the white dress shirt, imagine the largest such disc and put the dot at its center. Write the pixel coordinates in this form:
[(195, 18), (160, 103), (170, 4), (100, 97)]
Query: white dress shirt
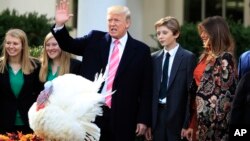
[(121, 47), (172, 53)]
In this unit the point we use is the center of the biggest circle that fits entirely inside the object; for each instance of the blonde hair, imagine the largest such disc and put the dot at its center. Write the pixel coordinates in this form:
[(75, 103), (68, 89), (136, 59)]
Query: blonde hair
[(171, 23), (120, 10), (27, 63), (64, 61)]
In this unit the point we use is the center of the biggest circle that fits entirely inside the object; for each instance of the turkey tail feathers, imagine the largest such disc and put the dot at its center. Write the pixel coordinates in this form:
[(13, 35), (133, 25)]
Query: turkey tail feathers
[(70, 113)]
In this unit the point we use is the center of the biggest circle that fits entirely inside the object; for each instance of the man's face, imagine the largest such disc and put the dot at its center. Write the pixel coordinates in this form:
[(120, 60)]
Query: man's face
[(117, 25)]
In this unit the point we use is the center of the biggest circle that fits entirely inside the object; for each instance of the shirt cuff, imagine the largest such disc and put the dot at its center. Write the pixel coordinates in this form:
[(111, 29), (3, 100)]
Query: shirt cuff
[(57, 28)]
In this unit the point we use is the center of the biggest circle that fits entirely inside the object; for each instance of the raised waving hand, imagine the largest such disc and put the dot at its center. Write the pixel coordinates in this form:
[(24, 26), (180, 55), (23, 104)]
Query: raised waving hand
[(62, 13)]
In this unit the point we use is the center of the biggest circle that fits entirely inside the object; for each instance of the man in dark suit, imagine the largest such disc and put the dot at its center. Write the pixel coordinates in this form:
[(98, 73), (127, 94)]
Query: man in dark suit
[(130, 110), (172, 74), (240, 113)]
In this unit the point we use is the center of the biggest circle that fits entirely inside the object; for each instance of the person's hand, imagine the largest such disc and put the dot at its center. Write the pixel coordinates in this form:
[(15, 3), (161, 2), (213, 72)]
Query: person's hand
[(62, 13), (189, 134), (183, 132), (140, 129), (148, 134)]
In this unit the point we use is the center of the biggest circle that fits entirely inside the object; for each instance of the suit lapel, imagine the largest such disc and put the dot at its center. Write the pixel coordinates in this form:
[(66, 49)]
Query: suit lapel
[(27, 80), (7, 85), (176, 64), (105, 47), (158, 69), (127, 56)]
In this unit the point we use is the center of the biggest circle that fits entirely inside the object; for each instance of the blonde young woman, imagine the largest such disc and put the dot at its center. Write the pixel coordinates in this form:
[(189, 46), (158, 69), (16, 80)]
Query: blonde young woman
[(19, 82), (215, 76), (55, 62)]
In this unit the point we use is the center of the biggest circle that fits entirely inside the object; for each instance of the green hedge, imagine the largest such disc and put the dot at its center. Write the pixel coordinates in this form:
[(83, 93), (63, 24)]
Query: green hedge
[(36, 51), (35, 26), (241, 36), (190, 39)]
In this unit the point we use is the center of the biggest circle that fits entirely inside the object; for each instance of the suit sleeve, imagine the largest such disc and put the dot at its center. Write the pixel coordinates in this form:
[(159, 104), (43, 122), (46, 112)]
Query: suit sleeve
[(75, 66), (145, 106), (239, 102), (69, 44), (192, 62)]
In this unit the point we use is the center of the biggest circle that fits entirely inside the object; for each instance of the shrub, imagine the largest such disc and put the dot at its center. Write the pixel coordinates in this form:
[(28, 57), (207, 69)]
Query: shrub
[(241, 36), (35, 26), (36, 51), (190, 40)]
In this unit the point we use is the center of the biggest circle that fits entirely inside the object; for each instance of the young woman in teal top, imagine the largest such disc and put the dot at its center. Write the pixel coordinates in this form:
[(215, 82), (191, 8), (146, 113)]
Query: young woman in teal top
[(19, 81), (55, 62)]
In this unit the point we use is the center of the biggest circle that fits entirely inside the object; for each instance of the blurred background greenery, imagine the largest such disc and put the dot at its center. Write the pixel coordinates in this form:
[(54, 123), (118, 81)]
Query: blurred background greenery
[(37, 26), (190, 40)]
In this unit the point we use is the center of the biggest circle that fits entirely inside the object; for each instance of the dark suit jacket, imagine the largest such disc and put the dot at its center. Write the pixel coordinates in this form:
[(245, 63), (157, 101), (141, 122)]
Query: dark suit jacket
[(177, 94), (75, 66), (131, 103), (10, 104), (240, 114), (241, 105)]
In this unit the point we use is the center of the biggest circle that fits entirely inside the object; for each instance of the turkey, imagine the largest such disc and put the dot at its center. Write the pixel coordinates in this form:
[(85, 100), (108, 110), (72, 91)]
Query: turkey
[(66, 109)]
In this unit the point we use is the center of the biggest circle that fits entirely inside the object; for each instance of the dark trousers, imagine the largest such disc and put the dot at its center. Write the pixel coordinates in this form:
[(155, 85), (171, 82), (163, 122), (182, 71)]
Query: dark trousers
[(161, 132), (108, 133), (103, 122)]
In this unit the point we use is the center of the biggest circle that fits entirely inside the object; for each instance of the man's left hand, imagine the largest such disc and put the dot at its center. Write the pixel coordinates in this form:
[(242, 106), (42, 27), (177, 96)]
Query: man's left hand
[(140, 129)]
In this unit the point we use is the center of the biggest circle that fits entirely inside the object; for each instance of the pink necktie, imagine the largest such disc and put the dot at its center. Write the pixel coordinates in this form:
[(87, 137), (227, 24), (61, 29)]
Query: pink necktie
[(113, 65)]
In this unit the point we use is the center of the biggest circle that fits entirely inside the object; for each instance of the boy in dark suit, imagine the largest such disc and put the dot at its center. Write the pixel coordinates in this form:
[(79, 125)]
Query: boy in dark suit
[(172, 74)]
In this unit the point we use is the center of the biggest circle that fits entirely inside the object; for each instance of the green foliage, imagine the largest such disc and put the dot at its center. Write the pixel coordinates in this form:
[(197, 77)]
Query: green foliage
[(35, 26), (190, 40), (158, 47), (241, 37), (36, 51)]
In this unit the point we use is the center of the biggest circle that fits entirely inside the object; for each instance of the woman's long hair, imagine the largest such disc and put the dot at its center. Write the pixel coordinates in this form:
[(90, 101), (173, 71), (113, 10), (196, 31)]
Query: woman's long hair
[(219, 34), (27, 63), (64, 61)]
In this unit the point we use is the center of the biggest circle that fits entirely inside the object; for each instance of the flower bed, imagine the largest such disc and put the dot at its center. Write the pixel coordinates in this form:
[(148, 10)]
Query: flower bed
[(19, 137)]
